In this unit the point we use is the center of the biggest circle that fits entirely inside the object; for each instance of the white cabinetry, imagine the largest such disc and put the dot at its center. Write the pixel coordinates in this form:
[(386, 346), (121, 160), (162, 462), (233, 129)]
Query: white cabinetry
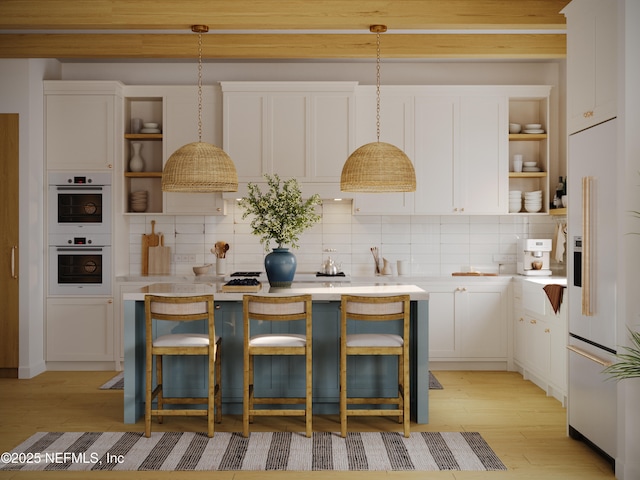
[(293, 129), (80, 124), (175, 109), (591, 62), (461, 154), (540, 338), (396, 128), (531, 105), (468, 322), (80, 329)]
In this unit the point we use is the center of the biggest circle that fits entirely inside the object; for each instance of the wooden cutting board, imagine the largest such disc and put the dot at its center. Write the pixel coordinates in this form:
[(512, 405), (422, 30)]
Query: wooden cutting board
[(160, 258), (148, 240)]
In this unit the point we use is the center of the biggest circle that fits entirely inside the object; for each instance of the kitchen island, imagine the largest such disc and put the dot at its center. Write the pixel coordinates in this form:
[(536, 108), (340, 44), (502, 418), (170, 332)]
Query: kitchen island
[(282, 376)]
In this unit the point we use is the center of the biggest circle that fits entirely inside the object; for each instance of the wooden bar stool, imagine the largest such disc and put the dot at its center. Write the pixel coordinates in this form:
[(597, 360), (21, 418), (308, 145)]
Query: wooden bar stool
[(182, 309), (375, 309), (276, 309)]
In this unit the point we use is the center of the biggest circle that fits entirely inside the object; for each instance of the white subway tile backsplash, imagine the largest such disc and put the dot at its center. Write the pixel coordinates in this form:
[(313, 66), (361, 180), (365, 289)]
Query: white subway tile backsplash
[(434, 245)]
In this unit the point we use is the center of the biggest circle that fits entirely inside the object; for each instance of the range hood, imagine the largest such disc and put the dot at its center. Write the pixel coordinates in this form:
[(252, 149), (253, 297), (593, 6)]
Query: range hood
[(327, 191)]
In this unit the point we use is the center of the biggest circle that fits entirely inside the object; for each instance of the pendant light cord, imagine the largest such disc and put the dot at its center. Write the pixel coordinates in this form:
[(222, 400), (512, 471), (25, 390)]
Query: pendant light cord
[(199, 87), (378, 86)]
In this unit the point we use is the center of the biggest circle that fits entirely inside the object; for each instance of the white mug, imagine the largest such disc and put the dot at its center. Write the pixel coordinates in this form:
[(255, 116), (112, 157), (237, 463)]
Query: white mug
[(517, 163), (403, 267)]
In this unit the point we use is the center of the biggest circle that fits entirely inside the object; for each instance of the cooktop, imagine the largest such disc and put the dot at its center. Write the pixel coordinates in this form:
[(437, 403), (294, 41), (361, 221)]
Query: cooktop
[(245, 274)]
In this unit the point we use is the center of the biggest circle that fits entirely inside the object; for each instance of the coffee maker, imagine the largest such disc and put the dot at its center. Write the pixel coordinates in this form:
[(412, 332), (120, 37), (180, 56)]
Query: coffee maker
[(533, 256)]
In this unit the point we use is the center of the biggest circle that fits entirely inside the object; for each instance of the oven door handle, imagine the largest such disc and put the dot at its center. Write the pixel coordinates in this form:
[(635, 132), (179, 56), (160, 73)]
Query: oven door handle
[(79, 188), (79, 249)]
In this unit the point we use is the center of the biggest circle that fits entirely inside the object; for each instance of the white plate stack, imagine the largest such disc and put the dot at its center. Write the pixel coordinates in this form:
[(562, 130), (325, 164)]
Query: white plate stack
[(515, 201), (139, 201), (533, 201)]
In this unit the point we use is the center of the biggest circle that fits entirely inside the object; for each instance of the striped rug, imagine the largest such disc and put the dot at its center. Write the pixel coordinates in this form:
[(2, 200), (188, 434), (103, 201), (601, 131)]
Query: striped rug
[(261, 451)]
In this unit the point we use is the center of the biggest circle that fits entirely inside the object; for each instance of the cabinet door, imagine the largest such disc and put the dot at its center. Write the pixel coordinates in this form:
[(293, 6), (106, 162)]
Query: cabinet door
[(436, 121), (442, 324), (79, 132), (181, 128), (482, 171), (286, 135), (396, 128), (538, 346), (481, 313), (80, 329), (591, 63), (558, 349), (332, 134), (243, 136)]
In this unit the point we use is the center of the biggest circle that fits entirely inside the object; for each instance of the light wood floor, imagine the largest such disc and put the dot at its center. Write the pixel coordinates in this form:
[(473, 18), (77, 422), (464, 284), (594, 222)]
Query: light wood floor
[(524, 427)]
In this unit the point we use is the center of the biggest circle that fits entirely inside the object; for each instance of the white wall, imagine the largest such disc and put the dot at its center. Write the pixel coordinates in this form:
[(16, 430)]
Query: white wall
[(21, 92), (628, 459), (434, 245)]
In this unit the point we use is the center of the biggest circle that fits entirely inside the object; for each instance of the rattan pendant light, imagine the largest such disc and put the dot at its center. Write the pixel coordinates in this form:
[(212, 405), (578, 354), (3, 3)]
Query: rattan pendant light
[(199, 167), (378, 166)]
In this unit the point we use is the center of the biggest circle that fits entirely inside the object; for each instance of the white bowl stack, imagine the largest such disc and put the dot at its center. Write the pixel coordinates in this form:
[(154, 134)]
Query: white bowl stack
[(139, 201), (515, 201), (533, 201)]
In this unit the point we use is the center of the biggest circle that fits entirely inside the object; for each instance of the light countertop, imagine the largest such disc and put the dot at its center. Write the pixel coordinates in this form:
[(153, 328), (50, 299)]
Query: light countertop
[(318, 291)]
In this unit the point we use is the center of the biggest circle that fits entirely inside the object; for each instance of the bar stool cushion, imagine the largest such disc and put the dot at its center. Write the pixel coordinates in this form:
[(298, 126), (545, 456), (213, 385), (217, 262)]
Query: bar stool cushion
[(374, 340), (183, 340), (278, 340)]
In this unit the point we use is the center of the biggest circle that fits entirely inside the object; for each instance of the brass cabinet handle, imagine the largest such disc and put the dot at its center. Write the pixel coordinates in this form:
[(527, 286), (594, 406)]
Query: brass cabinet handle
[(590, 356), (533, 321), (13, 261), (588, 114)]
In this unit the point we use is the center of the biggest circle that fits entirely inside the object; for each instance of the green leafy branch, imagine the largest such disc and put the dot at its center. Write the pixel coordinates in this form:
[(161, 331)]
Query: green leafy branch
[(628, 364), (279, 214)]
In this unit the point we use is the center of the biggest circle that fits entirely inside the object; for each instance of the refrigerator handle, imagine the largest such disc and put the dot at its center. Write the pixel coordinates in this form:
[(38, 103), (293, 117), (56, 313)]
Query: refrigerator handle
[(587, 246), (590, 356)]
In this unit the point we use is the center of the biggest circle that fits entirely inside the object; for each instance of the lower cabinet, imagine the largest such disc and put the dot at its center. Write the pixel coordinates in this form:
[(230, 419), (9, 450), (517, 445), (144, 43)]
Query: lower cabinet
[(540, 334), (468, 322), (79, 329)]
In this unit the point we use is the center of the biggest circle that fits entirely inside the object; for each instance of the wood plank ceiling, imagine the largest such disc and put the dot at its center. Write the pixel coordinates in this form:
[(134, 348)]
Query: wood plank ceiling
[(283, 29)]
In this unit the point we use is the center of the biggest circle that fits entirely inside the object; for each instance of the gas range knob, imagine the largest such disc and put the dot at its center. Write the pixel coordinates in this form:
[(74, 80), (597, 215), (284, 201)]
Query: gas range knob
[(89, 241), (69, 241)]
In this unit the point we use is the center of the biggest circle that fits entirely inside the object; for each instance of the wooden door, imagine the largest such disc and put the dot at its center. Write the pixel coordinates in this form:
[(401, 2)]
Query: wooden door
[(9, 245)]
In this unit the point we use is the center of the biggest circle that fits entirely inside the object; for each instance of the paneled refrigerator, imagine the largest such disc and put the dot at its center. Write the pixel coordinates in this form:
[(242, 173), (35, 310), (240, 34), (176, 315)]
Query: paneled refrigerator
[(592, 280)]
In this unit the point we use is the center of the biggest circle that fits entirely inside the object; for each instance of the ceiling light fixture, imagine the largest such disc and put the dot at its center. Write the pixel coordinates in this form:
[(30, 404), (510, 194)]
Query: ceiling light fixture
[(378, 166), (199, 167)]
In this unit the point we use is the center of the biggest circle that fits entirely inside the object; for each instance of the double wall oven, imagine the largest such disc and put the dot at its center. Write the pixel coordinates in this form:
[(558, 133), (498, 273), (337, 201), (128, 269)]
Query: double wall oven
[(79, 233)]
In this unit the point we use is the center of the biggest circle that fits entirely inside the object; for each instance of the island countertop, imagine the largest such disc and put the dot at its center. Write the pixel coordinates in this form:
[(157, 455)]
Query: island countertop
[(319, 291)]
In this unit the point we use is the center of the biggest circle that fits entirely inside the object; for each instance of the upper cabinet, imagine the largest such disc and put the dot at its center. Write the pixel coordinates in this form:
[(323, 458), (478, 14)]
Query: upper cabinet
[(80, 124), (461, 153), (293, 129), (530, 107), (396, 128), (591, 62), (174, 111)]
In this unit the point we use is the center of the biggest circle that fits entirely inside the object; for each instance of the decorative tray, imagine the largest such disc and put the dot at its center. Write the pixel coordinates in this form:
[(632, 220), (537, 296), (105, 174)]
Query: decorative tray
[(245, 285)]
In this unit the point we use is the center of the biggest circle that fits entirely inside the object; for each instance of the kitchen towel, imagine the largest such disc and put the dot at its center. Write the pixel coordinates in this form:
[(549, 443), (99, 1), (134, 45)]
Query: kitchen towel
[(560, 241), (555, 293)]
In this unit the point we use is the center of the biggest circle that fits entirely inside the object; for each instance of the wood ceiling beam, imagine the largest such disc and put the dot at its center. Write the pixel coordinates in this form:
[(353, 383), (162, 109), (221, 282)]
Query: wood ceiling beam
[(288, 46), (280, 15)]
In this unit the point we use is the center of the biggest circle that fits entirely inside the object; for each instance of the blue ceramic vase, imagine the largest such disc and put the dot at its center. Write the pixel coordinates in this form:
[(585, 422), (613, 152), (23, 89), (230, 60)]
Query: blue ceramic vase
[(280, 266)]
